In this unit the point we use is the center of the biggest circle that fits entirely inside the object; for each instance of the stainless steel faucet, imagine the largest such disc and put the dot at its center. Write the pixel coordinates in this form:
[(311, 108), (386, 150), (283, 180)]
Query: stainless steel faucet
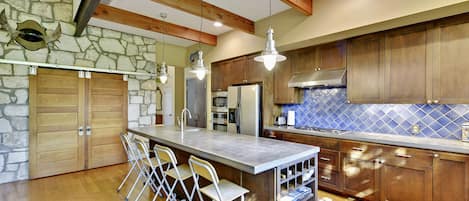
[(183, 118)]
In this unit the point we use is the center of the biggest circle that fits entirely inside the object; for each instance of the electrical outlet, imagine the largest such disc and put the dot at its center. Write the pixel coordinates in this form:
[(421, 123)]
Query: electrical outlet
[(465, 132), (415, 129)]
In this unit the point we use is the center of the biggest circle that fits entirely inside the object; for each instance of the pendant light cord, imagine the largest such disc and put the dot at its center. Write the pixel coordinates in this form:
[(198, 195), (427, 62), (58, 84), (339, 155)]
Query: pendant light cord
[(270, 13), (201, 22), (163, 38)]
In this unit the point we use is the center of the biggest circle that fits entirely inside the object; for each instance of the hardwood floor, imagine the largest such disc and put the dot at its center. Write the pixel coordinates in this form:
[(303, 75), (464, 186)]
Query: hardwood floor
[(91, 185)]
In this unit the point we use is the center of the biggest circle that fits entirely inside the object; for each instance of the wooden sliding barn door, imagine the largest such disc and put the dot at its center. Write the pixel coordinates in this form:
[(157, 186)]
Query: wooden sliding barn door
[(56, 112), (75, 122), (107, 117)]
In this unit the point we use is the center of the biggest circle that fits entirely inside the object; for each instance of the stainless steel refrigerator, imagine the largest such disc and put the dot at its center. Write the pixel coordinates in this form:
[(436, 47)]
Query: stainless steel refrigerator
[(244, 109)]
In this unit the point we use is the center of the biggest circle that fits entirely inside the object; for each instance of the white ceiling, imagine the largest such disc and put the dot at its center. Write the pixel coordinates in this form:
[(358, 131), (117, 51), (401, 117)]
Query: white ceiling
[(244, 8)]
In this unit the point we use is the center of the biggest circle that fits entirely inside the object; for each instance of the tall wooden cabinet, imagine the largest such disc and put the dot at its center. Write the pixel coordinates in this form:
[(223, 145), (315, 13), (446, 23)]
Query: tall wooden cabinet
[(75, 122), (451, 177)]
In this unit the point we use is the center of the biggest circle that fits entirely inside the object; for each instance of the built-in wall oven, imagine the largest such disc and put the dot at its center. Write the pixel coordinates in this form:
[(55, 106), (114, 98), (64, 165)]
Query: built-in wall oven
[(220, 110)]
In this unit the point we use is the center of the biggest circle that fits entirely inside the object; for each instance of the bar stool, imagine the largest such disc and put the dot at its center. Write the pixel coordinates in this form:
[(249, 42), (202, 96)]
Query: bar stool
[(178, 172), (220, 190), (148, 169), (130, 158)]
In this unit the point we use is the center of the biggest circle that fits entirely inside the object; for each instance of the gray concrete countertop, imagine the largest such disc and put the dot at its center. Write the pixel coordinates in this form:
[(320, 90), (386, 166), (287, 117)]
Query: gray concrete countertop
[(247, 153), (388, 139)]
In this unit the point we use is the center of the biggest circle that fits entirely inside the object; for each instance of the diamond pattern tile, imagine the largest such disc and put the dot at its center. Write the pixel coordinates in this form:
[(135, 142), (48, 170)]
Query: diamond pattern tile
[(327, 108)]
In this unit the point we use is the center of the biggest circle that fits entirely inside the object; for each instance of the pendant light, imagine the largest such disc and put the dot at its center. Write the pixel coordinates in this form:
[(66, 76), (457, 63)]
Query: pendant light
[(270, 56), (198, 67), (163, 71)]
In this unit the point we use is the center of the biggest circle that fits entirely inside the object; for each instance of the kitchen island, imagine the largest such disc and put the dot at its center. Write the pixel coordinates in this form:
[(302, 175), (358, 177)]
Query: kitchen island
[(269, 169)]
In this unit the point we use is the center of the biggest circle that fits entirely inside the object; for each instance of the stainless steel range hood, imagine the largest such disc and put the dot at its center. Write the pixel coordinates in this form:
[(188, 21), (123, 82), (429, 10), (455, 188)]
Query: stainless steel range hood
[(322, 78)]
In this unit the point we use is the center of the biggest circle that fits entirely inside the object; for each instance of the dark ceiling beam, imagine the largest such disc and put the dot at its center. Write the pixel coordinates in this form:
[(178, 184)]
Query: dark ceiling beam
[(304, 6), (84, 13), (211, 12), (120, 16)]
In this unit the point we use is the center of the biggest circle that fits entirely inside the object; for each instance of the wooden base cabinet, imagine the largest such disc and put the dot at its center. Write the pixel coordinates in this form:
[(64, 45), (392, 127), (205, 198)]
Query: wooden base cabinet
[(360, 178), (451, 177)]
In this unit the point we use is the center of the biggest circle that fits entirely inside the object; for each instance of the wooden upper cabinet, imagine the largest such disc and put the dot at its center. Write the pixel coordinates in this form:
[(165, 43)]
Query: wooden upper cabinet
[(451, 177), (365, 69), (254, 71), (450, 60), (406, 67), (235, 74), (304, 60), (332, 55), (282, 93), (218, 75)]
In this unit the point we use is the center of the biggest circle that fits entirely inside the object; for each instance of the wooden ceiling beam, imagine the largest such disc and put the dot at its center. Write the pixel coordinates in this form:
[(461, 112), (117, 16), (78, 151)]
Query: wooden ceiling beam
[(304, 6), (120, 16), (211, 12), (85, 11)]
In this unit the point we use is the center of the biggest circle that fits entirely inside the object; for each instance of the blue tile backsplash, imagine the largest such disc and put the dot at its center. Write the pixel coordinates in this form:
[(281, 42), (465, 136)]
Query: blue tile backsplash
[(327, 108)]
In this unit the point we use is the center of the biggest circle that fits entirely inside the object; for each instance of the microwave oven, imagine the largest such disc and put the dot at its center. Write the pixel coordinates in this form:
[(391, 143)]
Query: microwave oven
[(220, 101)]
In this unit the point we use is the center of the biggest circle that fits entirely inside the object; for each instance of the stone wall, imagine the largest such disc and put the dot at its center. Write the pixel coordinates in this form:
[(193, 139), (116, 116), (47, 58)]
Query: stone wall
[(97, 47)]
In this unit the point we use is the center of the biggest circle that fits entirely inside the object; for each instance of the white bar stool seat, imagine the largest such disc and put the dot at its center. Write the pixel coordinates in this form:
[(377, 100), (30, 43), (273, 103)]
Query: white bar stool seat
[(219, 190), (229, 190), (184, 172)]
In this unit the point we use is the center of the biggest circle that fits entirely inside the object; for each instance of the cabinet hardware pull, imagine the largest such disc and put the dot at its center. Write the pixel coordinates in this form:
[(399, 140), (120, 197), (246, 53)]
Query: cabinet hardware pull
[(324, 159), (429, 101), (357, 149), (381, 161), (325, 178), (80, 131), (348, 101), (436, 101), (403, 155), (319, 69), (88, 130), (436, 155)]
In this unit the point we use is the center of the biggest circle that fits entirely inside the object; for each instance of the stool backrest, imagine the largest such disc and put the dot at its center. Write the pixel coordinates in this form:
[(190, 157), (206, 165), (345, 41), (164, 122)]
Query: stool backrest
[(204, 169), (165, 153)]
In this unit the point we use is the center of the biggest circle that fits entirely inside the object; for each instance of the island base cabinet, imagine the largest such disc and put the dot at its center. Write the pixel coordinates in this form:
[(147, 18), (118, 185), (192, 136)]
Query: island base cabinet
[(451, 177), (400, 183)]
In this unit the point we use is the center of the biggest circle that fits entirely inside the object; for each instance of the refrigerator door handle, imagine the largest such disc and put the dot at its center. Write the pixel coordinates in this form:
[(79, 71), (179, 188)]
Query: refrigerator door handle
[(238, 119)]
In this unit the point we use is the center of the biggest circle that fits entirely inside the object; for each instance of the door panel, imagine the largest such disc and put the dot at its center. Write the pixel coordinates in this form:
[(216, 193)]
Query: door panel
[(406, 66), (451, 39), (107, 117), (56, 113), (404, 184)]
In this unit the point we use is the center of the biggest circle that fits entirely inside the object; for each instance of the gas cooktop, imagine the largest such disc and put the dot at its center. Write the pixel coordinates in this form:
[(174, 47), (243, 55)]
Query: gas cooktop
[(318, 129)]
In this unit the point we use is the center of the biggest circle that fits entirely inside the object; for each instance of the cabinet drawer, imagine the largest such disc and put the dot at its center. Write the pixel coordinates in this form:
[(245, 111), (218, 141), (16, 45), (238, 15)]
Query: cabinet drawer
[(323, 143), (328, 159), (362, 151), (410, 158), (328, 178)]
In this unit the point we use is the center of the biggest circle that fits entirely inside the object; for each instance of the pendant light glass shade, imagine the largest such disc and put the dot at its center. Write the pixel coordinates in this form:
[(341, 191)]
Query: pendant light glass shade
[(163, 73), (270, 56), (199, 68)]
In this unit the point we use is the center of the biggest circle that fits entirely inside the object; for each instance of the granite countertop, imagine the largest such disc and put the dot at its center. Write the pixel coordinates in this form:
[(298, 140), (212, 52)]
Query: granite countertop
[(388, 139), (250, 154)]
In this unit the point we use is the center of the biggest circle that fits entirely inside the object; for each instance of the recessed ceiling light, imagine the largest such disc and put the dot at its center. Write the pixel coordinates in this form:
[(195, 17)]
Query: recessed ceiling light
[(217, 24)]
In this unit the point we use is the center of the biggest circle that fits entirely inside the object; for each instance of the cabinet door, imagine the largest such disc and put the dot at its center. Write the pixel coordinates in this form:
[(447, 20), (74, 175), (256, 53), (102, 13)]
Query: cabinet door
[(365, 69), (217, 77), (254, 71), (235, 71), (406, 66), (451, 177), (282, 93), (401, 183), (226, 77), (360, 178), (332, 55), (450, 60), (304, 60)]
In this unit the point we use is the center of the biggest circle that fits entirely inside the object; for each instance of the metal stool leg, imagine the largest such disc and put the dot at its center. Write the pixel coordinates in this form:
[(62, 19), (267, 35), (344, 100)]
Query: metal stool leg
[(126, 177)]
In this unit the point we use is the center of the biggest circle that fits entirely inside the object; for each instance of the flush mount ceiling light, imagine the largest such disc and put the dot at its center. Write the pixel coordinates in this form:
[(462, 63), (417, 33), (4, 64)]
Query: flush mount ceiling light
[(270, 56), (217, 24), (198, 67), (163, 72)]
